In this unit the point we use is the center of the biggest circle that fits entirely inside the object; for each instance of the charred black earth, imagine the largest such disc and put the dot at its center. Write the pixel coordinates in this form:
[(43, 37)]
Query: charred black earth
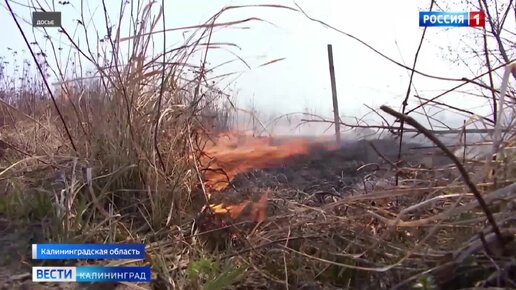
[(322, 173)]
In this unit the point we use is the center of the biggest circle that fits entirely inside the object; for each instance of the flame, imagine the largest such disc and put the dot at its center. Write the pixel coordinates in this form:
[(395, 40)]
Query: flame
[(258, 211), (233, 210), (231, 153)]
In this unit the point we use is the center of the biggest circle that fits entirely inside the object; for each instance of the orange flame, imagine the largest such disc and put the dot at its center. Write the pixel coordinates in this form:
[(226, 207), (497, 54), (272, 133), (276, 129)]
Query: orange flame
[(232, 154), (234, 211), (258, 211)]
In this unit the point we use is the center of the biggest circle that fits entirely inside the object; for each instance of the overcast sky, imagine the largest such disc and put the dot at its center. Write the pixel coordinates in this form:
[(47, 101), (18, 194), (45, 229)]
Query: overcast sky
[(302, 80)]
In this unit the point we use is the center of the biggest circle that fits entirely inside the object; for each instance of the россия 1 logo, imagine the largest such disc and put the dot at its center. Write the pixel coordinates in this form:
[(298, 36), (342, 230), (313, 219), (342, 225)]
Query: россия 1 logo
[(451, 19)]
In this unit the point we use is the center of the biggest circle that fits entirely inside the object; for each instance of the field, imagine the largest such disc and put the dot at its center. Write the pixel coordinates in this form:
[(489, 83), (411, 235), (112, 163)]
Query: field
[(147, 152)]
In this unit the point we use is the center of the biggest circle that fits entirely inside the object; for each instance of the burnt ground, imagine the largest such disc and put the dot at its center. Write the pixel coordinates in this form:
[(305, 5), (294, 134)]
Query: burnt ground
[(323, 175), (315, 180)]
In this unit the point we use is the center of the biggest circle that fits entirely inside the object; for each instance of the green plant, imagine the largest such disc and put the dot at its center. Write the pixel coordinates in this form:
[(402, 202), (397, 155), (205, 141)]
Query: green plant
[(208, 274)]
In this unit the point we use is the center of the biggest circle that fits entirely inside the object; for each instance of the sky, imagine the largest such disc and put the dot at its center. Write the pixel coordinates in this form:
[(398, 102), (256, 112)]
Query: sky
[(301, 81)]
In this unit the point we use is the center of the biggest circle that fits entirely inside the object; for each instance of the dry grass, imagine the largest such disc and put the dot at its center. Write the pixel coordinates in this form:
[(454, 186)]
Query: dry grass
[(124, 174)]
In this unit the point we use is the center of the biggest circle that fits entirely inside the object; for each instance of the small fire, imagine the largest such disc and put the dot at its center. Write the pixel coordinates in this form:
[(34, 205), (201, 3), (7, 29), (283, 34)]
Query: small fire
[(230, 154), (257, 213), (233, 210)]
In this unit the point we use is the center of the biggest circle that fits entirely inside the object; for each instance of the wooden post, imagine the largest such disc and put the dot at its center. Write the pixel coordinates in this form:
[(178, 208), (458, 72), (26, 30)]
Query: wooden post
[(465, 145), (334, 95)]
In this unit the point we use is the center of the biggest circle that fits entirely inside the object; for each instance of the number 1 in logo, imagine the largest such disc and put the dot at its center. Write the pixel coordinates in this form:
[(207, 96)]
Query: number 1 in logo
[(477, 19)]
